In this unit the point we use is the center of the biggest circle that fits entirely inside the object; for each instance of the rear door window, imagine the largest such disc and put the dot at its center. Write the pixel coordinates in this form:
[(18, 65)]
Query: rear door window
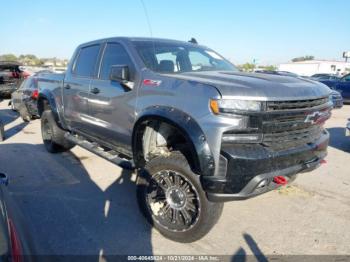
[(169, 58), (86, 61)]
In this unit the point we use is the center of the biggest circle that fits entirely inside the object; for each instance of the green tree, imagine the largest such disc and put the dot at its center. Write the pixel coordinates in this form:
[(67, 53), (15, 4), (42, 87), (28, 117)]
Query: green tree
[(268, 68), (247, 67), (8, 57), (303, 58)]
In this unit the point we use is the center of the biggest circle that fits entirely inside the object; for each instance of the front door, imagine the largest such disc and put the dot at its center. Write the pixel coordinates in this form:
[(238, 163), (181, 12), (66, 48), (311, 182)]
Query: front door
[(111, 103)]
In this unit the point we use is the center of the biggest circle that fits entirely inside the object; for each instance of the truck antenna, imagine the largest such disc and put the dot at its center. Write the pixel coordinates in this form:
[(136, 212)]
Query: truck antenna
[(147, 18), (149, 26)]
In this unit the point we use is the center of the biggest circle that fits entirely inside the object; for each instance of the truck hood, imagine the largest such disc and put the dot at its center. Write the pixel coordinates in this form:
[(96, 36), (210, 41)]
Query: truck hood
[(256, 86)]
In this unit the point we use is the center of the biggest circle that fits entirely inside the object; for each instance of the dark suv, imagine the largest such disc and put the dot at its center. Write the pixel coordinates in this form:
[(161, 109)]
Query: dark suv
[(11, 77)]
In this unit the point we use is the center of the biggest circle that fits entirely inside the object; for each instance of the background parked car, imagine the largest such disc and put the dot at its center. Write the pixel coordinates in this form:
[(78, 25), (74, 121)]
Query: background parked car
[(10, 77), (24, 99), (325, 77), (342, 85)]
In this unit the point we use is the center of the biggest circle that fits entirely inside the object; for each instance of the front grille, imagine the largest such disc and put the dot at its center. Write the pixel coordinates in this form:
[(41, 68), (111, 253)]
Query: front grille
[(287, 125), (288, 130), (292, 137), (297, 104)]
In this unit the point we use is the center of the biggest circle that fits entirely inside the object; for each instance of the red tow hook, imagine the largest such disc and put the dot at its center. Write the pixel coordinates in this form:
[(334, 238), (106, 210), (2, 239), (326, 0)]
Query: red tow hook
[(323, 161), (280, 180)]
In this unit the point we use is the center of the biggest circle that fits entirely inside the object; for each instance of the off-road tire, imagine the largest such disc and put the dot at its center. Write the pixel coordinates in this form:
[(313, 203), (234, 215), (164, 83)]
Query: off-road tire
[(53, 135), (209, 212)]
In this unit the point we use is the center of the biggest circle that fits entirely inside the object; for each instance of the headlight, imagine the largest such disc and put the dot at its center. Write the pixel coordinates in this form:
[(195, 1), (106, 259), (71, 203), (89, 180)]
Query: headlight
[(232, 105)]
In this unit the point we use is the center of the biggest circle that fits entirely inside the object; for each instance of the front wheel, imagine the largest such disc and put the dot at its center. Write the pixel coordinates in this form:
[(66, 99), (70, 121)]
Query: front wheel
[(172, 199)]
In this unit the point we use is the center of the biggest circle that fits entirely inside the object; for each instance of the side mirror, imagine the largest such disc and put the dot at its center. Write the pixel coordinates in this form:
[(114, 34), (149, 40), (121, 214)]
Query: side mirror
[(119, 73)]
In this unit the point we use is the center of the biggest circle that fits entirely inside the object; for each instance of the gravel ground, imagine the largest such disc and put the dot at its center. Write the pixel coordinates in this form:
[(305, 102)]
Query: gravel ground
[(78, 203)]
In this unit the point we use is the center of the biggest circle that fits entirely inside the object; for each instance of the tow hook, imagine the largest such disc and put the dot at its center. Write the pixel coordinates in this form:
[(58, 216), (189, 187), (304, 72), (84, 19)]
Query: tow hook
[(280, 180)]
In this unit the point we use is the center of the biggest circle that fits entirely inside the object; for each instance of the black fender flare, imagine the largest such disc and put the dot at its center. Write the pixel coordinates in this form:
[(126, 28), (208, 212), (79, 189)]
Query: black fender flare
[(49, 97), (204, 163)]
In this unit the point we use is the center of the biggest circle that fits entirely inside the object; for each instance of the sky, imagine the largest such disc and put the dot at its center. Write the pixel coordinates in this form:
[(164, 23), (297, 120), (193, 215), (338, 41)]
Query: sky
[(269, 31)]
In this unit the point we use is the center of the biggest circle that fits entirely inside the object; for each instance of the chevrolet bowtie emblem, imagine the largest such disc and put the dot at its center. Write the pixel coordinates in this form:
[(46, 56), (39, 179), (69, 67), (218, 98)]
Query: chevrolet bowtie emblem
[(315, 117)]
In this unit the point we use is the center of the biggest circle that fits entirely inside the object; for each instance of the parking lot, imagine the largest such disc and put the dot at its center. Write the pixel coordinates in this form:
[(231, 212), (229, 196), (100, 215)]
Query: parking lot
[(78, 203)]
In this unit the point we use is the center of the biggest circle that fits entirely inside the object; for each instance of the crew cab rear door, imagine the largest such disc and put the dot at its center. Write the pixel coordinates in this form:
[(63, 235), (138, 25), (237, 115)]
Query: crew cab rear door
[(76, 87), (111, 103)]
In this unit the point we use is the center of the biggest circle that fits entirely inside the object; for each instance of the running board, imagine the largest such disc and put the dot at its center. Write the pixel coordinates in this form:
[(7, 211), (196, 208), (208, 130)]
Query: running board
[(95, 148)]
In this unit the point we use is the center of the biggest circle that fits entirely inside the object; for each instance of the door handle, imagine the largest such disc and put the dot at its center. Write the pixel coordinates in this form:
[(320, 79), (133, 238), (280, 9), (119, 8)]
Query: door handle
[(95, 90), (67, 86)]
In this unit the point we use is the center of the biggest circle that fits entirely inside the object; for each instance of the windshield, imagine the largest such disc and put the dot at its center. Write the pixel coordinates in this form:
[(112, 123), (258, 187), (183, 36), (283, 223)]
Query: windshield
[(169, 57)]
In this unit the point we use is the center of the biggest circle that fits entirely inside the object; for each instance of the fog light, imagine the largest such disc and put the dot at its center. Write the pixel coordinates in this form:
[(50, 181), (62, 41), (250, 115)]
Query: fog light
[(241, 138)]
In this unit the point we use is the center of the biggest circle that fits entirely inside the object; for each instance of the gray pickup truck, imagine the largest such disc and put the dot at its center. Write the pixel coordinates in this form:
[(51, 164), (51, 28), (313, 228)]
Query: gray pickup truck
[(198, 131)]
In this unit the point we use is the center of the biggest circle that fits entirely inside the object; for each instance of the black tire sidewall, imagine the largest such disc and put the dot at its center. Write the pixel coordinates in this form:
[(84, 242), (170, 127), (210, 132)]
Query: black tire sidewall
[(23, 111), (2, 132), (58, 142), (46, 118)]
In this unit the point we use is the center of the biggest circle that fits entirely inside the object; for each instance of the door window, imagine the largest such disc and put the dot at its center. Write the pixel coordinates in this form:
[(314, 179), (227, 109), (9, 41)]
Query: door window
[(346, 78), (86, 61), (170, 58), (115, 54)]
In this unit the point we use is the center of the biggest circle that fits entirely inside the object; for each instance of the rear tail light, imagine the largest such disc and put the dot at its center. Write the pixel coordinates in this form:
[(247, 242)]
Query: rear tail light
[(35, 94), (16, 248)]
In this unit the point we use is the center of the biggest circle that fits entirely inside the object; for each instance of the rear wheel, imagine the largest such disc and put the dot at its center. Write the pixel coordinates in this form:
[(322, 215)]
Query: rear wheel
[(53, 135), (172, 199), (25, 115), (12, 105)]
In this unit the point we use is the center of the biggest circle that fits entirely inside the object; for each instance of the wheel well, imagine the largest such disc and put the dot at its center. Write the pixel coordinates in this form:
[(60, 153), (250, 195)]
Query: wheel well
[(43, 104), (156, 137)]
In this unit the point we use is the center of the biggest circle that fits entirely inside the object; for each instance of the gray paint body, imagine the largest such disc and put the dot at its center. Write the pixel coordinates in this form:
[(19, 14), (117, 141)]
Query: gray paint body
[(112, 114)]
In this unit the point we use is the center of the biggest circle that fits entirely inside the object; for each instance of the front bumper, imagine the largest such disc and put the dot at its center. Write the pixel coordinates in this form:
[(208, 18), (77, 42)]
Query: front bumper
[(337, 102), (252, 168)]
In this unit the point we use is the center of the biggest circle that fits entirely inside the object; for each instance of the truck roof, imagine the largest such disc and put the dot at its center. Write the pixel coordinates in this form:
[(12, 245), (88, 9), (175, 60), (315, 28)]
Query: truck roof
[(144, 39)]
